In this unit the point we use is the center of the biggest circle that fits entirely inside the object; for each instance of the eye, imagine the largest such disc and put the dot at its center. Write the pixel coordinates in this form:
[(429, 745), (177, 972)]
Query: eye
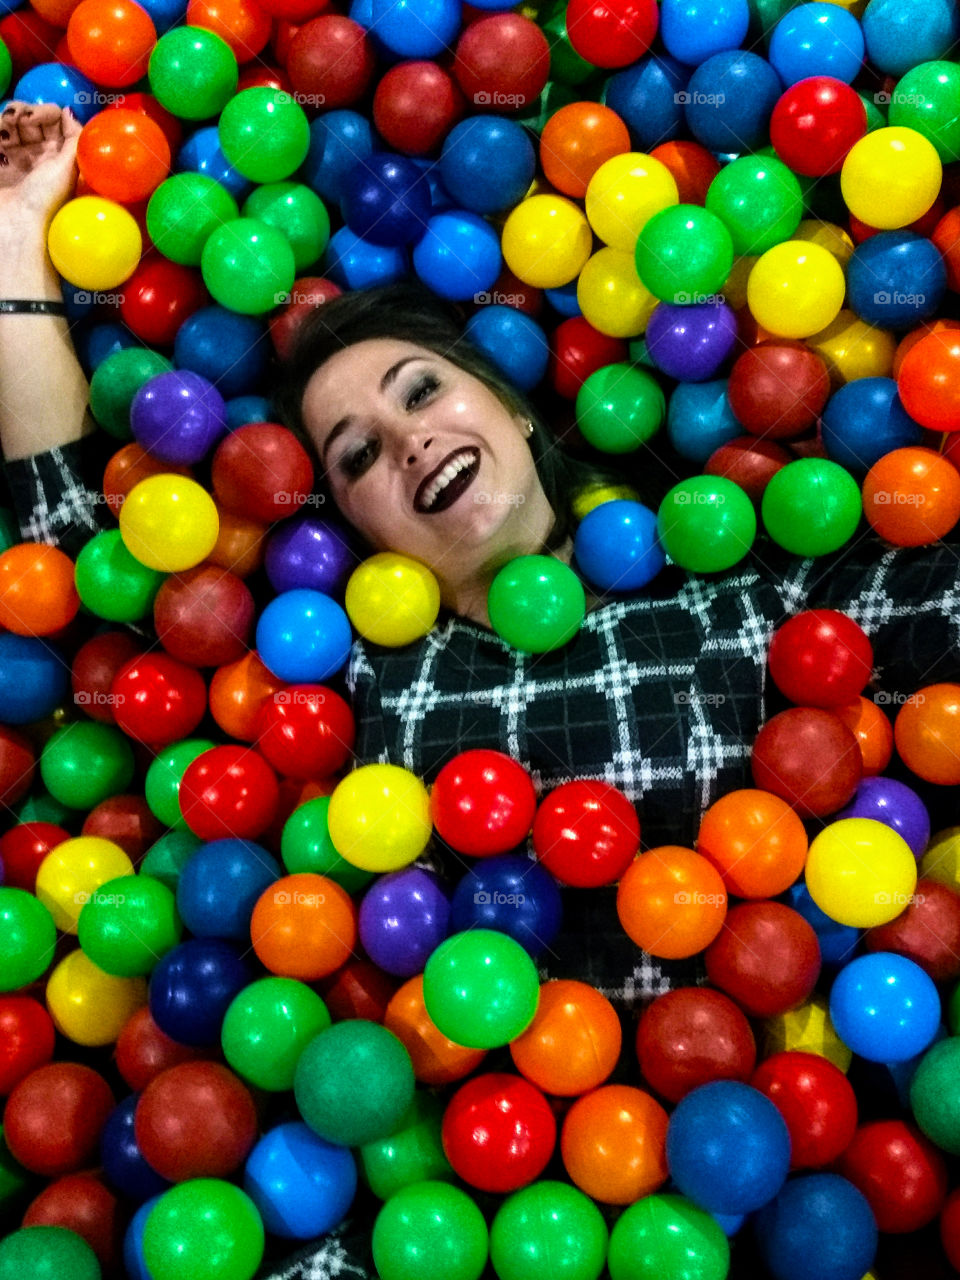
[(356, 461), (421, 390)]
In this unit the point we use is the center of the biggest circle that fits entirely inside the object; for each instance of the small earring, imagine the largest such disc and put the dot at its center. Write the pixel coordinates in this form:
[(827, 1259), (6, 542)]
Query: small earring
[(529, 429)]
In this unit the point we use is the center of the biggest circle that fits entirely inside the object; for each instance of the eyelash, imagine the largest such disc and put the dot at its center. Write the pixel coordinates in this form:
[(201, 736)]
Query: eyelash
[(421, 390)]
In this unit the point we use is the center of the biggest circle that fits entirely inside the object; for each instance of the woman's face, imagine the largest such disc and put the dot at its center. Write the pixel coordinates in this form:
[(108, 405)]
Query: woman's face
[(423, 459)]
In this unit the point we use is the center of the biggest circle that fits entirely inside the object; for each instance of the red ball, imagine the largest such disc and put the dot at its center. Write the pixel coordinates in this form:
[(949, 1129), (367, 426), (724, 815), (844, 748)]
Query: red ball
[(611, 33), (262, 472), (306, 731), (748, 462), (900, 1172), (307, 294), (26, 1039), (809, 758), (228, 791), (926, 932), (820, 658), (815, 124), (359, 990), (509, 290), (295, 10), (17, 766), (158, 700), (204, 617), (817, 1103), (498, 1132), (158, 297), (23, 848), (482, 803), (143, 1051), (256, 75), (577, 349), (196, 1120), (586, 833), (54, 1117), (83, 1204), (691, 1036), (502, 58), (778, 389), (331, 59), (95, 667), (29, 39), (415, 106), (950, 1228), (767, 958), (127, 821)]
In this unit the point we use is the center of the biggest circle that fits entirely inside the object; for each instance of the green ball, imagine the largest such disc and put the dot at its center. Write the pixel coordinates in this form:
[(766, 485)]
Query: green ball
[(264, 134), (248, 266), (47, 1253), (166, 858), (414, 1153), (953, 1010), (663, 1235), (354, 1082), (184, 211), (128, 925), (162, 786), (549, 1229), (619, 408), (192, 72), (430, 1231), (267, 1028), (811, 506), (6, 67), (765, 14), (536, 603), (85, 763), (43, 807), (298, 213), (481, 988), (566, 65), (14, 1178), (10, 534), (706, 524), (305, 846), (875, 117), (27, 938), (204, 1229), (759, 201), (927, 99), (117, 380), (934, 1096), (111, 582), (684, 254)]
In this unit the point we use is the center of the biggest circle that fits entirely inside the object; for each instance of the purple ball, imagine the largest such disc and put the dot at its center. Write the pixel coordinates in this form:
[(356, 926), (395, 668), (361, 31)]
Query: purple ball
[(309, 552), (895, 805), (404, 917), (691, 343), (178, 417)]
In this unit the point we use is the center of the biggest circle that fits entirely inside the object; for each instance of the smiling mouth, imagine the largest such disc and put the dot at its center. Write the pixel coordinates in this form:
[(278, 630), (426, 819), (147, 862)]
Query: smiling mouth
[(447, 482)]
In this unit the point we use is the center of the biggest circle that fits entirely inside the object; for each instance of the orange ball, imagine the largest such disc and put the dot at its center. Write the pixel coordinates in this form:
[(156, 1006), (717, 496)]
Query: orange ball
[(756, 842), (929, 381), (241, 544), (911, 497), (913, 337), (237, 692), (37, 595), (111, 41), (576, 141), (927, 732), (303, 926), (573, 1043), (436, 1060), (672, 902), (123, 154), (872, 730), (127, 467), (946, 236), (692, 166), (241, 24), (613, 1144)]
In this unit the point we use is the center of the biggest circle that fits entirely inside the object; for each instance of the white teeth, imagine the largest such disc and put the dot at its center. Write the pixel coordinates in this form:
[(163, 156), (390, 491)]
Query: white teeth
[(459, 463)]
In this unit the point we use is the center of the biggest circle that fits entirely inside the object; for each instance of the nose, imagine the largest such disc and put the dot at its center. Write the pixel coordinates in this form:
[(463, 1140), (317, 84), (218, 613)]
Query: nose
[(412, 457)]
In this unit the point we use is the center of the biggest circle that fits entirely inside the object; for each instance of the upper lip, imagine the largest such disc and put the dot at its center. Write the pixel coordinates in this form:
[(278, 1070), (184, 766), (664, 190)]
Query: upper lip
[(432, 475)]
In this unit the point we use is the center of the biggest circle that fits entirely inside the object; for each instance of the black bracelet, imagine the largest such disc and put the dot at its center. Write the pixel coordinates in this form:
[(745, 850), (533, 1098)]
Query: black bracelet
[(31, 307)]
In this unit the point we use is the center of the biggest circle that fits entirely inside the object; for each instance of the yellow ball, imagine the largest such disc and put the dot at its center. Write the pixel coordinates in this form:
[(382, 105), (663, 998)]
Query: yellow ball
[(735, 290), (612, 296), (853, 349), (941, 862), (89, 1006), (891, 177), (594, 495), (829, 236), (392, 600), (807, 1029), (624, 193), (546, 241), (169, 523), (861, 872), (94, 243), (72, 872), (795, 289), (379, 817)]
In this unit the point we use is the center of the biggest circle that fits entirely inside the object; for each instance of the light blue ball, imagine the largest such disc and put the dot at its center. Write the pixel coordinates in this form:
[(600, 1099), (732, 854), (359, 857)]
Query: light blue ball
[(201, 153), (616, 546), (700, 420), (512, 341), (416, 28), (885, 1007), (817, 40), (899, 34), (302, 1185), (244, 409), (458, 256), (65, 86), (353, 263), (694, 30), (564, 300), (303, 637)]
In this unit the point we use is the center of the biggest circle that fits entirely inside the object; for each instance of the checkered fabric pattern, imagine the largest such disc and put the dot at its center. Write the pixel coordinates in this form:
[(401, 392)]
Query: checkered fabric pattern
[(54, 500)]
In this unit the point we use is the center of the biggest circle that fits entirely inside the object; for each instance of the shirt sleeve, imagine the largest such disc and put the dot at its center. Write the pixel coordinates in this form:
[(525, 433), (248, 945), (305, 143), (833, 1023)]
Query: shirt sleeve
[(56, 495)]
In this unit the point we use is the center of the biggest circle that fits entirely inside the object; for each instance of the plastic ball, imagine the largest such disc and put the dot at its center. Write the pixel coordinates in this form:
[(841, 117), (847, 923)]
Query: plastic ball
[(926, 733), (815, 124), (852, 349), (667, 1232), (413, 1153), (860, 872), (17, 767), (614, 33), (729, 99), (403, 918), (699, 420), (89, 1006), (546, 241), (192, 987), (195, 1120), (385, 199), (301, 1185), (94, 243), (612, 1143), (308, 552), (684, 254), (157, 699), (536, 603), (926, 99), (624, 193), (169, 523), (482, 803), (28, 1039), (184, 211), (123, 1163), (162, 783), (73, 871), (759, 201), (767, 958), (480, 989), (896, 279), (85, 763), (264, 134), (619, 408), (46, 1252), (305, 845), (95, 664), (817, 40), (692, 33), (193, 72), (573, 1043), (865, 420), (616, 546), (891, 177), (498, 1132), (671, 902), (691, 343), (513, 895), (690, 1036), (895, 805), (33, 679), (436, 1059), (811, 507), (392, 600), (27, 938), (796, 289), (267, 1027), (204, 617), (885, 1007), (37, 595), (901, 1174), (911, 496), (756, 842), (823, 1213), (303, 926), (306, 731), (899, 36), (925, 932), (458, 255), (203, 1226), (778, 389), (548, 1226), (178, 417), (220, 885), (586, 833), (817, 1102), (142, 1050), (820, 658), (248, 265), (379, 817), (430, 1231), (128, 924), (123, 154), (415, 107), (706, 524)]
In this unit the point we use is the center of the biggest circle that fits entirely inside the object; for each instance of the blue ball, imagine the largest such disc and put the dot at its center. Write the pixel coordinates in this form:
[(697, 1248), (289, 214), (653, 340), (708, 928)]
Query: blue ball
[(34, 678), (564, 300), (616, 546), (226, 348), (404, 916), (728, 1148), (385, 199), (700, 420), (820, 1227), (694, 30), (303, 637), (165, 13), (817, 40), (123, 1162), (885, 1007), (899, 34), (201, 154), (353, 263), (864, 420), (512, 341), (192, 986), (459, 255), (98, 341), (487, 163), (244, 409), (135, 1264), (338, 139), (896, 279), (80, 304), (220, 885), (65, 86), (645, 97), (838, 942), (440, 198), (729, 99), (416, 28), (513, 895), (302, 1186)]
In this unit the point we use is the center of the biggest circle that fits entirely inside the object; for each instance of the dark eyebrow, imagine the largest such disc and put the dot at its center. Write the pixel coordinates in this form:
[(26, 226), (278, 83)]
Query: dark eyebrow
[(385, 382)]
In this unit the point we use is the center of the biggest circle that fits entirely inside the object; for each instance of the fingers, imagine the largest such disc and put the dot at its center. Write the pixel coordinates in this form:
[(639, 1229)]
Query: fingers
[(30, 125), (70, 125)]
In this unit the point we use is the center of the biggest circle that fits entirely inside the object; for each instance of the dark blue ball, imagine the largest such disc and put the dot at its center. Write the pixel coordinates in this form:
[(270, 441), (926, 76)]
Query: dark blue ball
[(728, 101), (819, 1227), (338, 139), (838, 942), (512, 894), (385, 199), (487, 163), (896, 279), (864, 420), (219, 887), (646, 97), (192, 987), (123, 1161), (226, 348), (33, 679)]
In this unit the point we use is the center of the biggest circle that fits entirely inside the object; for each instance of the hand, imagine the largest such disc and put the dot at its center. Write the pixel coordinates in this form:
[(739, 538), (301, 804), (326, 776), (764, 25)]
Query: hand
[(38, 146)]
